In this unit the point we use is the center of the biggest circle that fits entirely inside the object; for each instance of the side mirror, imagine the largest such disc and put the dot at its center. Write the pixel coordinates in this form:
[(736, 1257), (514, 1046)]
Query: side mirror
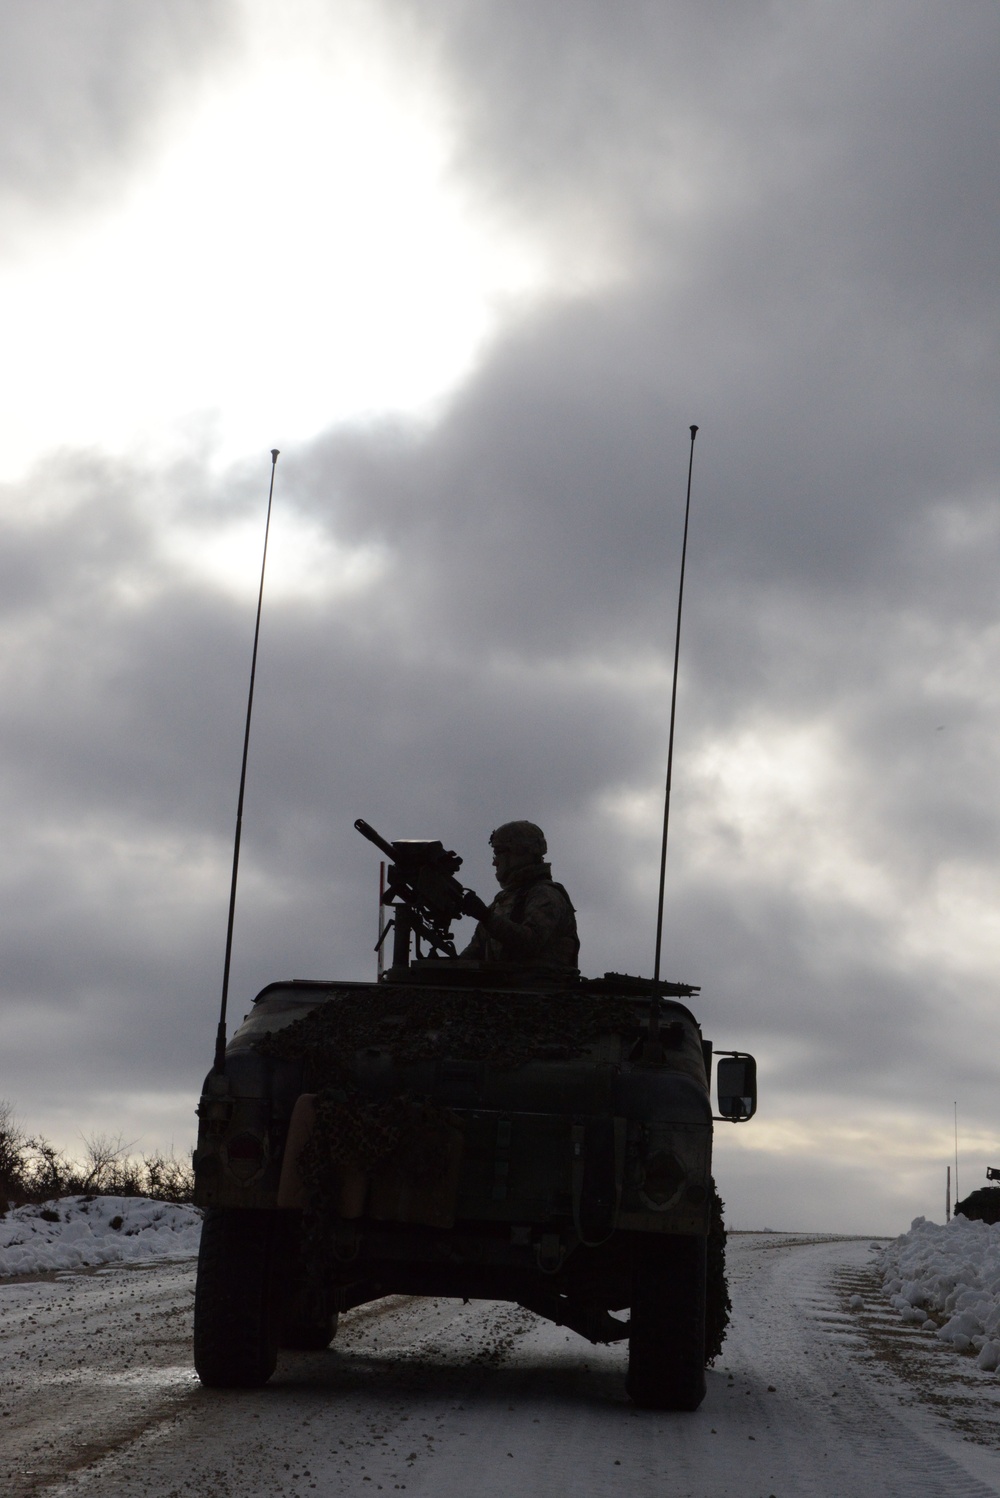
[(736, 1085)]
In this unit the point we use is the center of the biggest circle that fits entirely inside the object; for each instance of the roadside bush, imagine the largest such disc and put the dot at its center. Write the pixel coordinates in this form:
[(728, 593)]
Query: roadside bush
[(33, 1170), (12, 1143)]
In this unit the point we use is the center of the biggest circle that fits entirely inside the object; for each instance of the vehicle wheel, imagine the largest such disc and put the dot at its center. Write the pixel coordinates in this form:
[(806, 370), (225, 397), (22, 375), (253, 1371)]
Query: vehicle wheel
[(666, 1344), (235, 1309)]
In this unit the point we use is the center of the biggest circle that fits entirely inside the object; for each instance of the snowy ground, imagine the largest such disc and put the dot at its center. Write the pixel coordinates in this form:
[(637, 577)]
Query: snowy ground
[(81, 1231), (946, 1280), (822, 1389)]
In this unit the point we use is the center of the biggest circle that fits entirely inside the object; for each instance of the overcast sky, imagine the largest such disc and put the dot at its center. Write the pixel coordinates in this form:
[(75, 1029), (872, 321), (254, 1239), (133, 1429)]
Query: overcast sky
[(475, 270)]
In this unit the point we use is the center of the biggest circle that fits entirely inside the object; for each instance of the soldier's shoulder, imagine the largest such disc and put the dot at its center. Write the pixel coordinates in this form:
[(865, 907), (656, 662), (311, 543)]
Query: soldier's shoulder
[(550, 893)]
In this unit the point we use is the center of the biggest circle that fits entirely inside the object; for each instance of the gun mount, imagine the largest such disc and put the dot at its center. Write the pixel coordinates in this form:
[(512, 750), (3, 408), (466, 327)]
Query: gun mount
[(423, 895)]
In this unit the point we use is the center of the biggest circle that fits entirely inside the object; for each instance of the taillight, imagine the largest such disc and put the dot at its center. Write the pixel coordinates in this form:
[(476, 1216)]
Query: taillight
[(245, 1154), (662, 1178)]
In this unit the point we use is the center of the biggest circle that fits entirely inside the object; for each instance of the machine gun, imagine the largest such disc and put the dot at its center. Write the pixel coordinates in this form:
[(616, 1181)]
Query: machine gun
[(423, 894)]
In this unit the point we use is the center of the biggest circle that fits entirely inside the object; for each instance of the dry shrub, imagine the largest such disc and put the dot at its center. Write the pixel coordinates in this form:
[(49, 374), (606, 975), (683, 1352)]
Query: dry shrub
[(33, 1170)]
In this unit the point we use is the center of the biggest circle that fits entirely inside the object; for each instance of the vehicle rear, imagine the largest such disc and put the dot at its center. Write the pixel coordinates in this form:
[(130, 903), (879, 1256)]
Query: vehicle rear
[(531, 1146)]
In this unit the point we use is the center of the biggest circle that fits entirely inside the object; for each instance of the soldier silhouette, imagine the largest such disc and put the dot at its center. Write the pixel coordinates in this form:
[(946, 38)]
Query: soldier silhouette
[(531, 923)]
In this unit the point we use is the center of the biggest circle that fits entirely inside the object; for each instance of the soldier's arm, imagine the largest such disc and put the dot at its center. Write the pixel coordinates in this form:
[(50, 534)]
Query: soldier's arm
[(477, 946)]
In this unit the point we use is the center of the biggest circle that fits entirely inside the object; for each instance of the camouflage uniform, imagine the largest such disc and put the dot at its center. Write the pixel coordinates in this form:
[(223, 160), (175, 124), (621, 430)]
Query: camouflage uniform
[(531, 923)]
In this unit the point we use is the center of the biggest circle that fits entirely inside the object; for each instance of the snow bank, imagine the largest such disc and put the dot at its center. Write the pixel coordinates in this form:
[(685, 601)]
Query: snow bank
[(947, 1280), (78, 1231)]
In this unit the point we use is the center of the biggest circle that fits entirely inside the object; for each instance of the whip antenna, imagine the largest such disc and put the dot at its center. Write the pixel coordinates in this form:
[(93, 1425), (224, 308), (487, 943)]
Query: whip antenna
[(655, 1007), (220, 1039)]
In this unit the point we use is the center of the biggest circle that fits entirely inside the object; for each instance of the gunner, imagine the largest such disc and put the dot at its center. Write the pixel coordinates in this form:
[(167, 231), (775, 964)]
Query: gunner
[(531, 923)]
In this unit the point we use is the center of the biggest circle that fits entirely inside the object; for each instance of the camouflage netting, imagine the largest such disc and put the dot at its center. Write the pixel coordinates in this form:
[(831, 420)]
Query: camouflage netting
[(357, 1132), (717, 1302), (506, 1030)]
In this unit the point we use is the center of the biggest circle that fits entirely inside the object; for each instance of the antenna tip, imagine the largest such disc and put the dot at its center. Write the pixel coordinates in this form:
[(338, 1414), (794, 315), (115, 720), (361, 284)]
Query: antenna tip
[(693, 432), (275, 451)]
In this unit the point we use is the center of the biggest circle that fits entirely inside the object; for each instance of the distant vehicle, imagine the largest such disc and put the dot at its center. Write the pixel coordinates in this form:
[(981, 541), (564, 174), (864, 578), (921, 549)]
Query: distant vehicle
[(982, 1205), (452, 1130)]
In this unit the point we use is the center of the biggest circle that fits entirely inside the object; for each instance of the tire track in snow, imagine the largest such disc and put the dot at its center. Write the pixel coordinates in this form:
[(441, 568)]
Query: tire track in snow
[(90, 1360), (439, 1398)]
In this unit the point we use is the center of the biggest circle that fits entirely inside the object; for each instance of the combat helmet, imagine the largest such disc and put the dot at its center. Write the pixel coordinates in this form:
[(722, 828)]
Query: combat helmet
[(520, 837)]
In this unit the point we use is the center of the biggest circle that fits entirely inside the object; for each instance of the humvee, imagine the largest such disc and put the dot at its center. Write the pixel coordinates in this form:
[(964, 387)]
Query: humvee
[(462, 1129)]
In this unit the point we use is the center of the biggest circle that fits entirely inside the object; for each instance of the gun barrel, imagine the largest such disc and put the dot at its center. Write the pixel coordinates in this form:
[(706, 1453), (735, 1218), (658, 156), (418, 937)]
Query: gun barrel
[(373, 837)]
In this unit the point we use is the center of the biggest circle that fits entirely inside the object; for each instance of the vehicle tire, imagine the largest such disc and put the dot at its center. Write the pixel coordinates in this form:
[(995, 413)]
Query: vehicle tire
[(235, 1307), (666, 1344)]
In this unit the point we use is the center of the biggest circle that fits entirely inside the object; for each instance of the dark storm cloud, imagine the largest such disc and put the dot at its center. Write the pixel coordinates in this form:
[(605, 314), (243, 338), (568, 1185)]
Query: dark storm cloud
[(92, 615), (555, 106), (834, 284), (845, 117), (833, 328), (80, 85)]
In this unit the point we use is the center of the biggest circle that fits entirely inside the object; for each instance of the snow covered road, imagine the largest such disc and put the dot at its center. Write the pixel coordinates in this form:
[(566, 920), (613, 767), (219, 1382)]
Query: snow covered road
[(436, 1398)]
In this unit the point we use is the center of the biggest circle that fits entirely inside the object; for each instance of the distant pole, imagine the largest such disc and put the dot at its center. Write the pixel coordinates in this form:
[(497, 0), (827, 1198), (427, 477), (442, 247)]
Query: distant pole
[(220, 1039), (956, 1154), (947, 1194), (670, 740)]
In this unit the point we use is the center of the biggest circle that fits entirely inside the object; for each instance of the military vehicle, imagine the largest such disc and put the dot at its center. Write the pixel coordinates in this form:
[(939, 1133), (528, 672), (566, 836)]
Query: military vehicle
[(455, 1129)]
